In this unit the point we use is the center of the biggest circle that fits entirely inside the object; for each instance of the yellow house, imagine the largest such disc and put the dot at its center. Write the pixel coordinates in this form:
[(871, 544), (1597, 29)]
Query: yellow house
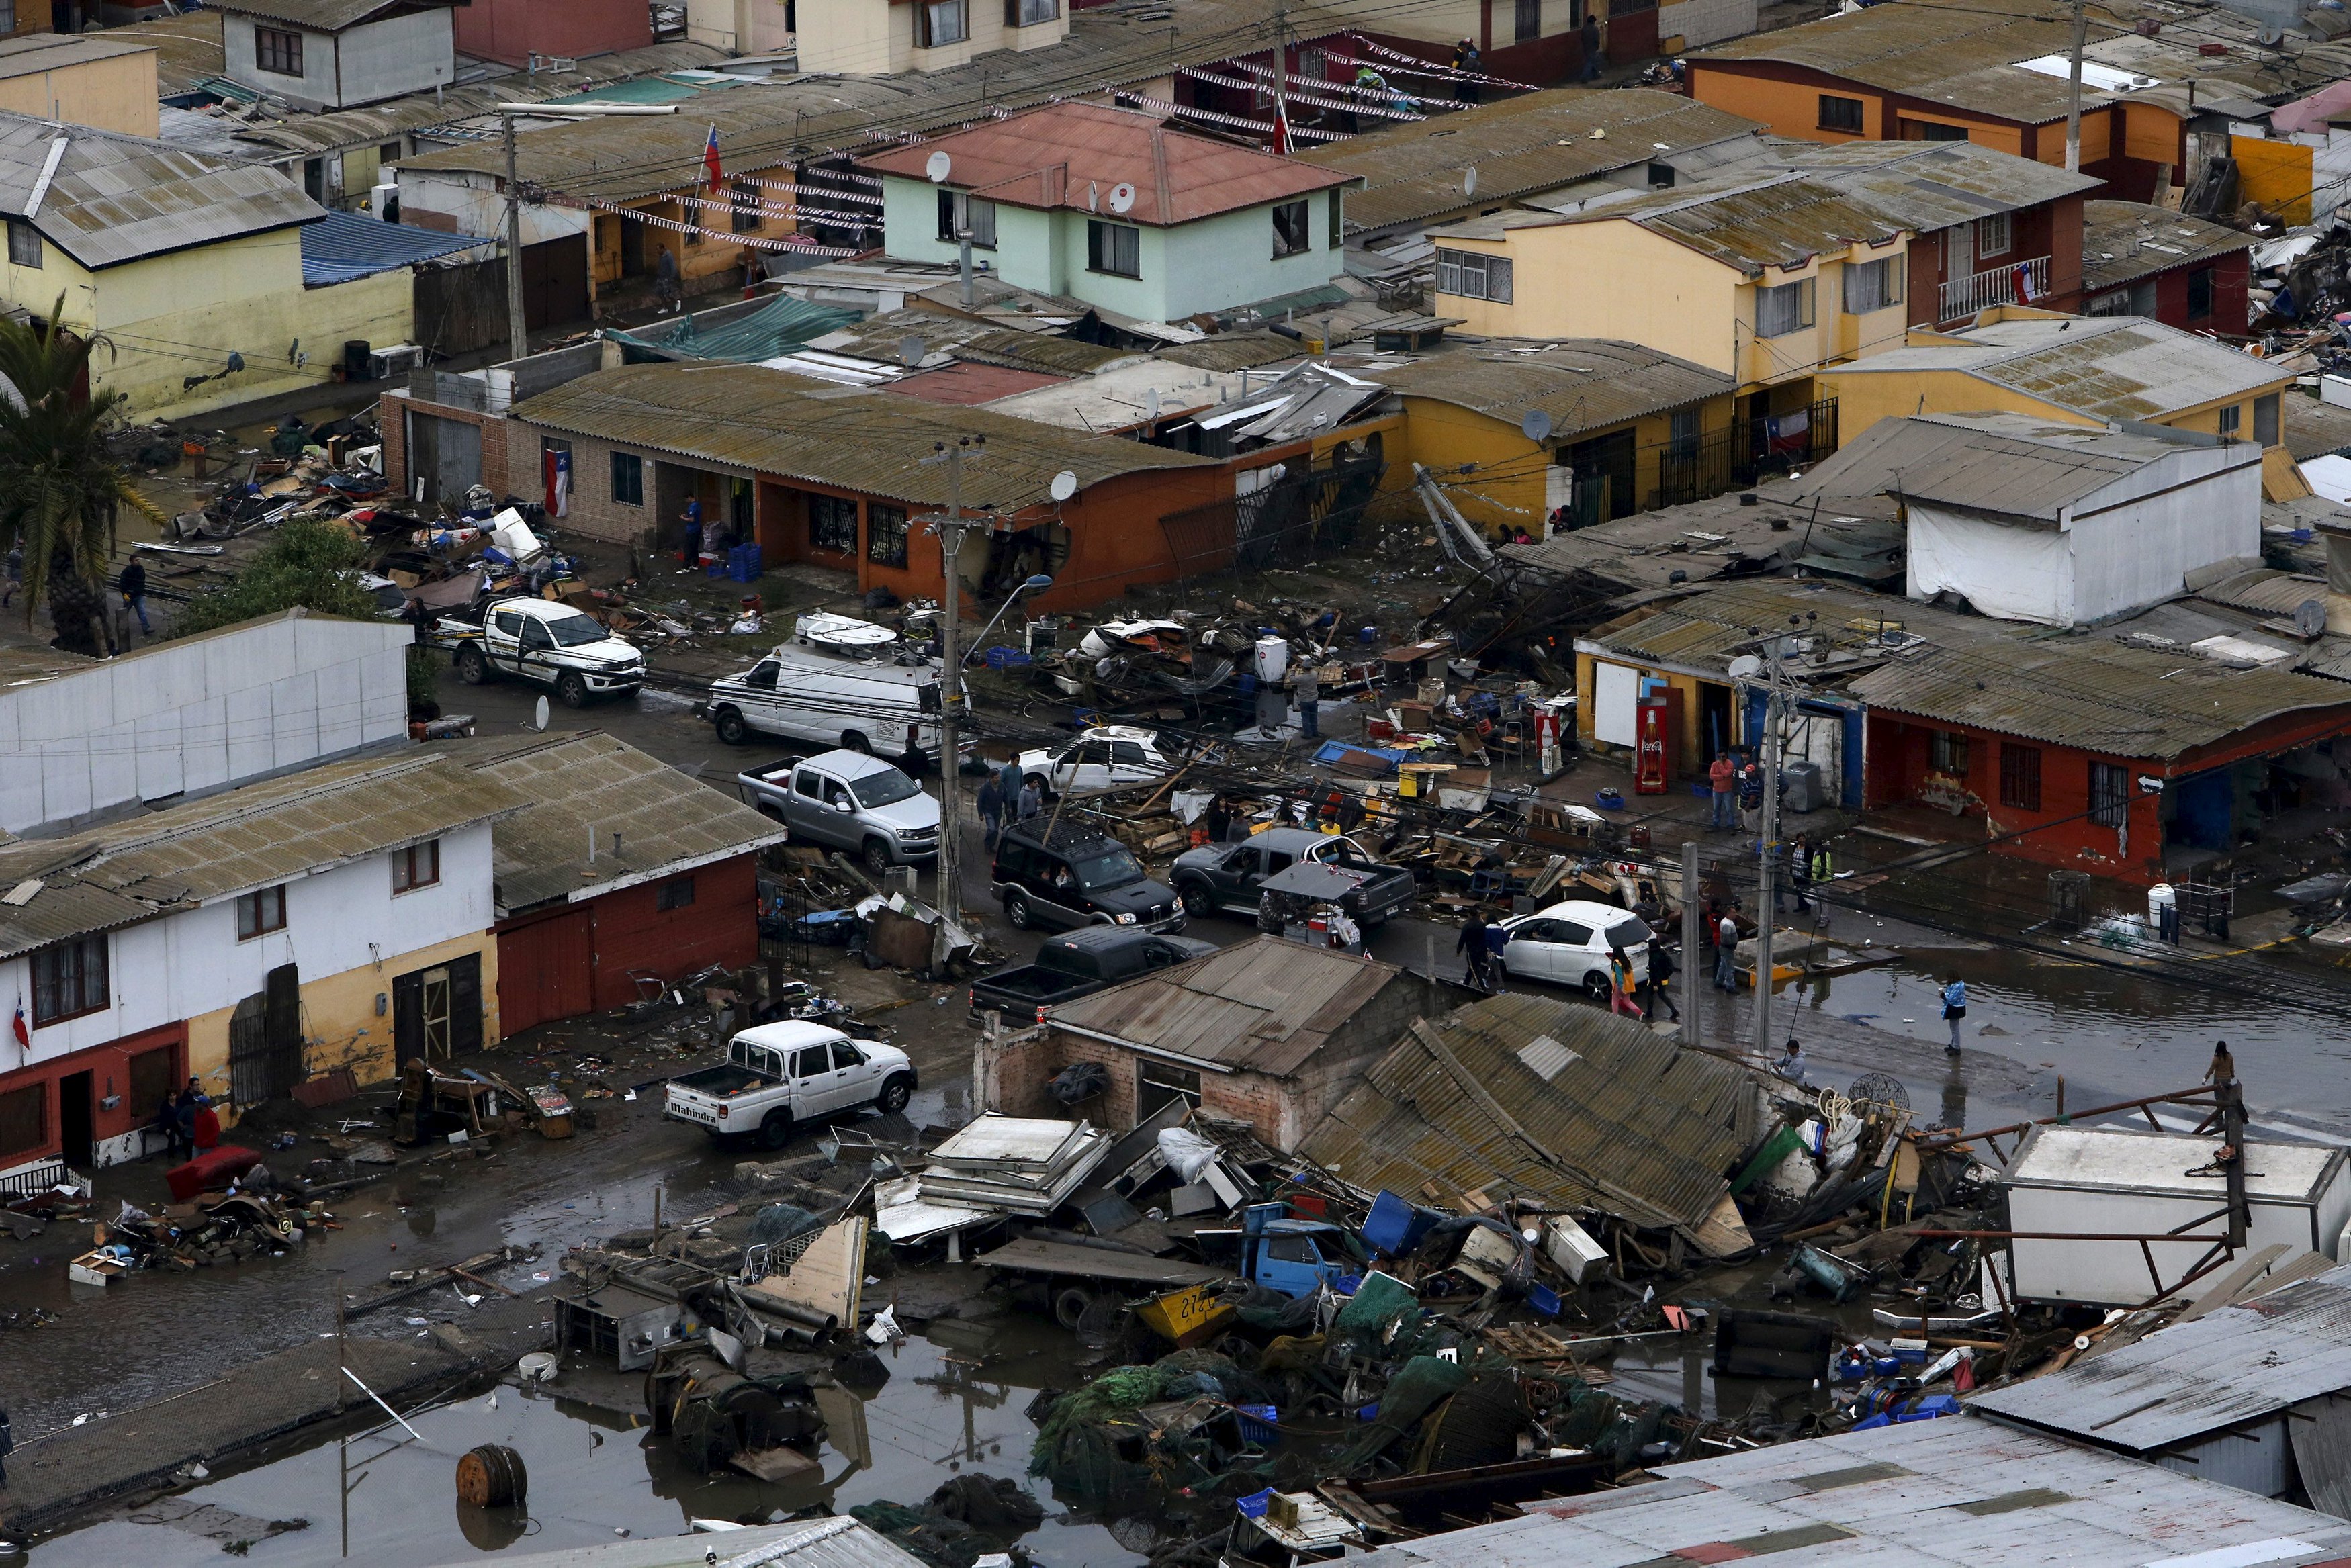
[(2079, 370), (1764, 278), (90, 79), (1516, 431), (188, 265)]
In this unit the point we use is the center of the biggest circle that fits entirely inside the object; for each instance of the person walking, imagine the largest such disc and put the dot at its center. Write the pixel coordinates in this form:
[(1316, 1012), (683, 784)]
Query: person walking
[(1594, 60), (1471, 945), (133, 583), (665, 290), (689, 549), (1661, 983), (1954, 1008), (991, 812), (1032, 799), (1723, 774), (1621, 984), (1726, 953), (1467, 60), (1306, 690)]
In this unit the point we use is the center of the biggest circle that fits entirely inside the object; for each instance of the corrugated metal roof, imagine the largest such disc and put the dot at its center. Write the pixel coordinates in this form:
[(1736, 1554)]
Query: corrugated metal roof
[(187, 48), (1521, 146), (751, 417), (2265, 591), (777, 327), (964, 384), (1582, 384), (1071, 155), (1929, 185), (1752, 221), (34, 52), (836, 1543), (648, 819), (2126, 240), (236, 841), (116, 198), (1720, 537), (2231, 1366), (1235, 351), (327, 16), (346, 245), (2008, 464), (1708, 629), (1921, 1494), (1631, 1122), (1265, 1006), (2111, 367), (2093, 693)]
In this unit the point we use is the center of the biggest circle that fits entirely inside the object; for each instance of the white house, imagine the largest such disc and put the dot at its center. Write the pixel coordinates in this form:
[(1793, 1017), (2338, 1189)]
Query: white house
[(333, 919), (339, 54), (2062, 524), (80, 737), (1117, 209)]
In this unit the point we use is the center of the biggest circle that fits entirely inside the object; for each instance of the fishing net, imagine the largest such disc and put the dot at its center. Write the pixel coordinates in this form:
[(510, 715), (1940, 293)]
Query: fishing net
[(1412, 1393)]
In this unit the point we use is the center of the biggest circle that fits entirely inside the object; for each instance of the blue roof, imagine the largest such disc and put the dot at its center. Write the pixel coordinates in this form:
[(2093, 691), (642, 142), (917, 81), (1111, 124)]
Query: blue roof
[(344, 245)]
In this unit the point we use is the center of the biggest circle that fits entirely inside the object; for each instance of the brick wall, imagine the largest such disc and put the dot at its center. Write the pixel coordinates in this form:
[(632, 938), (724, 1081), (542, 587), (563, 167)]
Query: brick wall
[(494, 465)]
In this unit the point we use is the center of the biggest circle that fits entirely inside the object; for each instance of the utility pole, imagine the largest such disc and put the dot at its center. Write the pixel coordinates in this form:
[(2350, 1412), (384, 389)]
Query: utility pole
[(951, 526), (2074, 93), (1692, 944), (1766, 852), (518, 331)]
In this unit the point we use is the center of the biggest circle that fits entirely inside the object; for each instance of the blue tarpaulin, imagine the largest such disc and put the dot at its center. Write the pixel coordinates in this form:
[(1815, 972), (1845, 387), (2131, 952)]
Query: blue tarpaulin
[(780, 326), (341, 247)]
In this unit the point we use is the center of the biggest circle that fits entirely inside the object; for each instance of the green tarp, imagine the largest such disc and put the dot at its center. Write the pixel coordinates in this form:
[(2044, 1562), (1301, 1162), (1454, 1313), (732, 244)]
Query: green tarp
[(780, 326)]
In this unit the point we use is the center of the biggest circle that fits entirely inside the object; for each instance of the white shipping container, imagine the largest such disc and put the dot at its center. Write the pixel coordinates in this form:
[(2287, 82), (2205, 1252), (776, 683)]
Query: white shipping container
[(2080, 1181)]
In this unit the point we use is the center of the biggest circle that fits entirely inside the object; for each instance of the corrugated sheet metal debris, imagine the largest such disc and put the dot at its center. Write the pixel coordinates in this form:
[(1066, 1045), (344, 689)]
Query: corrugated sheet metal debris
[(1265, 1006)]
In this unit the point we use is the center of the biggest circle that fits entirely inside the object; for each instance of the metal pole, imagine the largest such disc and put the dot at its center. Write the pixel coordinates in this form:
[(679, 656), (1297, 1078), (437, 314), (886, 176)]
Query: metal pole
[(518, 331), (1692, 944), (341, 1362), (963, 245), (2232, 1095), (951, 690), (2074, 93), (1766, 852)]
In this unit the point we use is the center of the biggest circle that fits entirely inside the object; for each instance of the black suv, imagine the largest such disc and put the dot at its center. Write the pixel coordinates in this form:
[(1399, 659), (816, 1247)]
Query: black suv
[(1065, 875)]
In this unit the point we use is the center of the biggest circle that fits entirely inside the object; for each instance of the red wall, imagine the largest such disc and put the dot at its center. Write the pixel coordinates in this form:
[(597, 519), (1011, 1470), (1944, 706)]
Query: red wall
[(579, 959), (511, 31), (108, 1064)]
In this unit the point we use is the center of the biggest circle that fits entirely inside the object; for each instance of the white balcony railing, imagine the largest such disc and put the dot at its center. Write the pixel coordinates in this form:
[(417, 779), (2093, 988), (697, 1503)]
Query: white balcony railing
[(1994, 286)]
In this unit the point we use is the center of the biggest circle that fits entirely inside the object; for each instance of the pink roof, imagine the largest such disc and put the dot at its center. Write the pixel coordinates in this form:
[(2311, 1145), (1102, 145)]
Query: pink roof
[(1071, 155)]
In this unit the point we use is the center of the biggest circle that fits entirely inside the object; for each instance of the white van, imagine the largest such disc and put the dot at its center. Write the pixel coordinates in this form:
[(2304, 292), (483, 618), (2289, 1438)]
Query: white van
[(838, 682)]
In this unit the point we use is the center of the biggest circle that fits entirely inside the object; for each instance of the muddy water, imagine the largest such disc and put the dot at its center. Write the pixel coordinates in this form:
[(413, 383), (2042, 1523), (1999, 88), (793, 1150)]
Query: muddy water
[(594, 1474)]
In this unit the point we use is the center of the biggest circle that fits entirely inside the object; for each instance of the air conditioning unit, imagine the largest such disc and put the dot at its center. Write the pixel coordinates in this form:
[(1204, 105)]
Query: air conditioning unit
[(394, 359)]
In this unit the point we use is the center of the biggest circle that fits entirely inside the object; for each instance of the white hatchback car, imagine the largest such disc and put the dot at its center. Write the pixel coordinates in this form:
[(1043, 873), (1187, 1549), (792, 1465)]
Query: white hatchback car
[(1569, 943)]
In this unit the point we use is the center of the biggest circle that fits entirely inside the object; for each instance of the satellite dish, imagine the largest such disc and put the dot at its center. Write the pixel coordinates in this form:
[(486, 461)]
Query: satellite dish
[(1094, 197), (1151, 404), (912, 350), (2310, 617), (1064, 485), (937, 166), (539, 715), (1744, 666), (1122, 197), (1469, 180), (1536, 426)]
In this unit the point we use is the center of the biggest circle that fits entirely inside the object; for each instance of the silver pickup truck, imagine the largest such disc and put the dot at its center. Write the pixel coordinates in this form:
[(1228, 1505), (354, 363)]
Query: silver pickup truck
[(778, 1075), (850, 801)]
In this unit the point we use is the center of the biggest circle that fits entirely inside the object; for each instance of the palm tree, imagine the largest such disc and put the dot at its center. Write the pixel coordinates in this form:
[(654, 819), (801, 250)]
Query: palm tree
[(59, 488)]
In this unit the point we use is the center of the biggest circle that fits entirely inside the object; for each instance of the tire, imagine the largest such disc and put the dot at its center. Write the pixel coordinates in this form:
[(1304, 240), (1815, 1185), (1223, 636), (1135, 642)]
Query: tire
[(776, 1130), (1069, 1305), (1017, 910), (855, 741), (894, 1096), (1197, 903), (878, 857), (472, 667), (572, 689), (732, 730), (1595, 985)]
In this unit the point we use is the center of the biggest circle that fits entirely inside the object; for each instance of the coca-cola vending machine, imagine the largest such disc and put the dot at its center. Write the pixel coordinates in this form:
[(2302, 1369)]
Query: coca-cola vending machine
[(1656, 721)]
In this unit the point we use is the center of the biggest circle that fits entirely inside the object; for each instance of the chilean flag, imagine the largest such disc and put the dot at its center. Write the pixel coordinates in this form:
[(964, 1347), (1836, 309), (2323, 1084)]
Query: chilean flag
[(710, 161), (558, 462), (1281, 142), (24, 1036), (2024, 282)]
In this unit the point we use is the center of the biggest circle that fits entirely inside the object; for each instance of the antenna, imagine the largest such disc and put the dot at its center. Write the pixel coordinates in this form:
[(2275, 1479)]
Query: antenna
[(1094, 197), (1535, 426), (1122, 197), (938, 166), (912, 350)]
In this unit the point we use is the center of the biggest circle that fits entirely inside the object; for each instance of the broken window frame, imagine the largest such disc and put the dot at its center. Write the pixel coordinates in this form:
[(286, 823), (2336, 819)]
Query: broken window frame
[(1946, 753), (1166, 1081)]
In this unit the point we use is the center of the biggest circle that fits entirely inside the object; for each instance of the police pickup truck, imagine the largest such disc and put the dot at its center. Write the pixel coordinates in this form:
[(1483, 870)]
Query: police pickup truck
[(541, 641)]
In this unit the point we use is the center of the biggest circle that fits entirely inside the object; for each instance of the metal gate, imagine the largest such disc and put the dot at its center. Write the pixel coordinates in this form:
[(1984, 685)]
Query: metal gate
[(547, 971), (265, 1040), (436, 1013)]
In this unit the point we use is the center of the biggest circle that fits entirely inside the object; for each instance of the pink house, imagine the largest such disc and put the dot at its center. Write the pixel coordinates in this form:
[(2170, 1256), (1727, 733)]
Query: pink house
[(511, 31)]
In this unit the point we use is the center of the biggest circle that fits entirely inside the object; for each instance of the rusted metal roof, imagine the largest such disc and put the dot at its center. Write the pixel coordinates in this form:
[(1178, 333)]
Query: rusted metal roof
[(646, 819), (187, 48), (966, 383), (116, 199), (1581, 384), (1519, 146), (2126, 240), (2111, 367), (752, 417), (1265, 1006), (2232, 1365), (236, 841), (1235, 351), (1627, 1121), (2095, 694), (1072, 155), (1709, 628), (1929, 185), (327, 16)]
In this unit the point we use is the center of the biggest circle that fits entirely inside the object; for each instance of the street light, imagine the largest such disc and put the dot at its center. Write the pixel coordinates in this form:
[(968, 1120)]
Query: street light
[(1037, 584)]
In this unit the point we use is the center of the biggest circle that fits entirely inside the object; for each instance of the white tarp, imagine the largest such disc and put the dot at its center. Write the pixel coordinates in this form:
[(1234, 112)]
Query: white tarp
[(1615, 694), (2007, 572)]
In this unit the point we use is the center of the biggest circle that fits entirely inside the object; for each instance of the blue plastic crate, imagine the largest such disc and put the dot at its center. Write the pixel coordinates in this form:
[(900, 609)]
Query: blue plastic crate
[(1257, 1423), (1543, 1299), (1254, 1505)]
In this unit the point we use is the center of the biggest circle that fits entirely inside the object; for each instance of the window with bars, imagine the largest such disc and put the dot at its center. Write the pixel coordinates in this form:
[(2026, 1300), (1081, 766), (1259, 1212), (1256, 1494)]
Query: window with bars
[(832, 524), (2019, 776), (2109, 794), (885, 534), (1528, 19), (1783, 308), (23, 243), (69, 980), (277, 51), (1473, 276), (1946, 753), (677, 893)]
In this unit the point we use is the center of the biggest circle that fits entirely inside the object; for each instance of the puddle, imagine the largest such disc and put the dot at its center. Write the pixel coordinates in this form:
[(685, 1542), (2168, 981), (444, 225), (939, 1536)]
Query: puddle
[(593, 1474)]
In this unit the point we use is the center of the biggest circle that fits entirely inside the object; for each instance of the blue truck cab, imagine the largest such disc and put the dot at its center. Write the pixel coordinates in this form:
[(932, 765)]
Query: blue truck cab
[(1296, 1257)]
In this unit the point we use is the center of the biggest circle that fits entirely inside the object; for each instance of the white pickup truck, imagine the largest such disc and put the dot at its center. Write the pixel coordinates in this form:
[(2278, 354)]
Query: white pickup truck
[(541, 641), (778, 1075)]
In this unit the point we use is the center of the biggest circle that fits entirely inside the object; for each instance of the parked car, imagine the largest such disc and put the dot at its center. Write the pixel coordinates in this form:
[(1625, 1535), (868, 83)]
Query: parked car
[(850, 801), (1225, 877), (1568, 944), (1098, 758), (780, 1075), (544, 642), (1079, 963), (1062, 875), (838, 682)]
